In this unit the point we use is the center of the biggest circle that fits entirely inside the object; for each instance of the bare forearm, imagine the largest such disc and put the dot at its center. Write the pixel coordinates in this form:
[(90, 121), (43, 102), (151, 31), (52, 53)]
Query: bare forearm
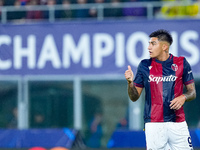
[(191, 92), (132, 92)]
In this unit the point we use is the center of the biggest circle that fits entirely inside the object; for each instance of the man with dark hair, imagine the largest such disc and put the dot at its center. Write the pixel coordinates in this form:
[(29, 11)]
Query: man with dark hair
[(162, 35), (163, 77)]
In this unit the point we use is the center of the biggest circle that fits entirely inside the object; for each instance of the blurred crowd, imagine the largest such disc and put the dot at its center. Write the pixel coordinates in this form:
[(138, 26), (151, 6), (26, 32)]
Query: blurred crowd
[(165, 11), (46, 2)]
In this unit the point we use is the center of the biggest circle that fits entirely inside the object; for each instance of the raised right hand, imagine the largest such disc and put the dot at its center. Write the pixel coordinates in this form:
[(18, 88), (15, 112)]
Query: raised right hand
[(129, 74)]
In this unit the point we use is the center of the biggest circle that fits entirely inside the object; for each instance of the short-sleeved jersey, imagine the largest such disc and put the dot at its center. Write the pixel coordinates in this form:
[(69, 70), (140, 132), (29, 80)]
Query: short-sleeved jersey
[(163, 81)]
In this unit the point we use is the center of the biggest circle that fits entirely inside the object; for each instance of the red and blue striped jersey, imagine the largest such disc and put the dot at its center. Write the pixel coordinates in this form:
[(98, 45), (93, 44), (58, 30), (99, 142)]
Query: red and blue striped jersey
[(163, 81)]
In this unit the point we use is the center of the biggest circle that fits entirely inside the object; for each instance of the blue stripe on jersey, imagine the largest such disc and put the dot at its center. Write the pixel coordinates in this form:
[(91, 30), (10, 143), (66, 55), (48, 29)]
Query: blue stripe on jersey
[(168, 92)]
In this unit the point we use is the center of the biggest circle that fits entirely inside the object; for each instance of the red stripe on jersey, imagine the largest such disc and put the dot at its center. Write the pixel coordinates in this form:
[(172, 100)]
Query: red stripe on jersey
[(178, 88), (156, 93)]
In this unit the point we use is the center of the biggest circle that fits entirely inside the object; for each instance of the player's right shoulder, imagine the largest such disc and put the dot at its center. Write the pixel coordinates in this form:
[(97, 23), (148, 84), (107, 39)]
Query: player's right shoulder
[(146, 62)]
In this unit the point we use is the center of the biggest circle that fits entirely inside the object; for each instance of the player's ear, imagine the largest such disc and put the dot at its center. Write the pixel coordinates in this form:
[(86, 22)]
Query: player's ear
[(165, 46)]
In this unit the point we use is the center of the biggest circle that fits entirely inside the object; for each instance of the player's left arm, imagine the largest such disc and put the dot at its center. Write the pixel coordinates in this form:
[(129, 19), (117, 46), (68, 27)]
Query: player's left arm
[(190, 94)]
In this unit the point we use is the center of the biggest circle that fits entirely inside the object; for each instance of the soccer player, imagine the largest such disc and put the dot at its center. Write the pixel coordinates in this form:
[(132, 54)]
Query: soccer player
[(163, 77)]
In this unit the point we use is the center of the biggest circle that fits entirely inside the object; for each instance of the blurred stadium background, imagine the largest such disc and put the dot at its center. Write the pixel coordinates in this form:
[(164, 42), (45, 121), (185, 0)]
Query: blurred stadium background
[(62, 66)]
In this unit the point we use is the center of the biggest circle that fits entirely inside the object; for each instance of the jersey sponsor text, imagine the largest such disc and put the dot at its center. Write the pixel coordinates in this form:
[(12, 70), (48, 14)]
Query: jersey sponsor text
[(152, 78)]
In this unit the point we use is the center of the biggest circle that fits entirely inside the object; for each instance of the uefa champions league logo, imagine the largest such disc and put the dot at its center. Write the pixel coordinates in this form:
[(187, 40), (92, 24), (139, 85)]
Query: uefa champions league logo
[(174, 67)]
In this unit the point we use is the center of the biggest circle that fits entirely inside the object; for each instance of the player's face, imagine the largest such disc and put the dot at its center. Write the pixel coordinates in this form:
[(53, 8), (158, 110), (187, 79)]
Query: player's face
[(155, 48)]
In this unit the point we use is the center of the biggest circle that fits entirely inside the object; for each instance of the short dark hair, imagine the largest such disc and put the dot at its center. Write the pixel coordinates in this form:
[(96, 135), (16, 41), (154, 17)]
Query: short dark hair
[(162, 35)]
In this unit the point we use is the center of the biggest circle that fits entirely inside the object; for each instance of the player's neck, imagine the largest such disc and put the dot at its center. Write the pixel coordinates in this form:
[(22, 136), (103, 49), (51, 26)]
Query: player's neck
[(163, 57)]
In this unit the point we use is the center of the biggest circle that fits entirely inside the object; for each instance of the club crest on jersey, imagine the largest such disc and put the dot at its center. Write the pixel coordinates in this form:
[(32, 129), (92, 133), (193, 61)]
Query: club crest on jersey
[(174, 67)]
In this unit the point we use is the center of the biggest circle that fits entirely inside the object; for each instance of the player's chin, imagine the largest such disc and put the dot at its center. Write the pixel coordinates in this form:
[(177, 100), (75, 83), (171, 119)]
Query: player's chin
[(151, 56)]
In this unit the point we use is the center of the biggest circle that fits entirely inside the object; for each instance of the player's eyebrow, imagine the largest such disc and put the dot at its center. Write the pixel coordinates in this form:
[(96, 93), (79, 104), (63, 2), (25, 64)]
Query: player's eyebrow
[(152, 42)]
